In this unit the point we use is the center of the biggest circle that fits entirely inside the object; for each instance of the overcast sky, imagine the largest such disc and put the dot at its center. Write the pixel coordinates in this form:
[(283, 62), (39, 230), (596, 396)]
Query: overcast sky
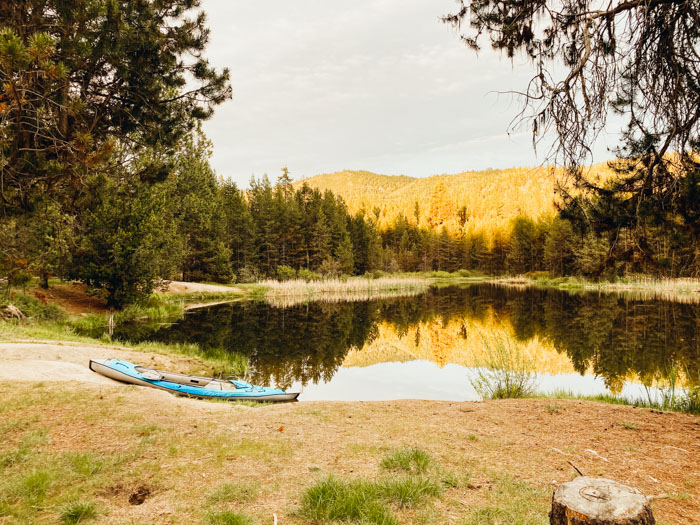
[(378, 85)]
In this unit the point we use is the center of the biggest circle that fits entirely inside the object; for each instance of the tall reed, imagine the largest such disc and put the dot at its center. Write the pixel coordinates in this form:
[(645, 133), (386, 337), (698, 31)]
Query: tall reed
[(290, 293), (504, 371)]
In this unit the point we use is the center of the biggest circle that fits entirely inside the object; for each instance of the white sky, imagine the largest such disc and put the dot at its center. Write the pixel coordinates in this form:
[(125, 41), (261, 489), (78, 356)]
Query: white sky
[(377, 85)]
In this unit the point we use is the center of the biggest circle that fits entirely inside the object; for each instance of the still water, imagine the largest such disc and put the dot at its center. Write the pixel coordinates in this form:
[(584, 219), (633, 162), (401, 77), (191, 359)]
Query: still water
[(425, 347)]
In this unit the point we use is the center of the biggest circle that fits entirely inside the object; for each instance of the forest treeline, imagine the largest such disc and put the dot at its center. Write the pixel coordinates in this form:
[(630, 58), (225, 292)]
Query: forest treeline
[(127, 234), (105, 179)]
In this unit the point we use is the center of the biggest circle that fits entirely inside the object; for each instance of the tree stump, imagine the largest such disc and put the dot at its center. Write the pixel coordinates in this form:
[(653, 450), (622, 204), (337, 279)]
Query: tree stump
[(599, 501)]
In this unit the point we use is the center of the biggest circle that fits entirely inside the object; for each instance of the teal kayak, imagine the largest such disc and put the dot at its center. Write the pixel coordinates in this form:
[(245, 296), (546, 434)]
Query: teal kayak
[(188, 385)]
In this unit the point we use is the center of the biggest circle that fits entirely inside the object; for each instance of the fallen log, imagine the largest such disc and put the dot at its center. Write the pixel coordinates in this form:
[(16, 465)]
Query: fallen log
[(599, 501), (11, 312)]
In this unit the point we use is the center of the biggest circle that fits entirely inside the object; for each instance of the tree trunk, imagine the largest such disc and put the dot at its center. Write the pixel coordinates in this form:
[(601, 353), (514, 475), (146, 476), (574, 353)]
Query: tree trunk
[(599, 501)]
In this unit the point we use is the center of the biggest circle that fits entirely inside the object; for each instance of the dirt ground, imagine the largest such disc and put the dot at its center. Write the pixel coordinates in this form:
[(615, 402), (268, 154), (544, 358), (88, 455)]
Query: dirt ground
[(68, 361), (288, 447), (72, 298), (179, 287)]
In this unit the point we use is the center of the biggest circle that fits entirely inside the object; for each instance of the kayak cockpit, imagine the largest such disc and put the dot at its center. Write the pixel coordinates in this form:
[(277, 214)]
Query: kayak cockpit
[(183, 379)]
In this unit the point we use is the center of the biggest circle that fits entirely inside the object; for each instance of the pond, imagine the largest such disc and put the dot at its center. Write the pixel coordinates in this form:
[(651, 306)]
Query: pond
[(425, 347)]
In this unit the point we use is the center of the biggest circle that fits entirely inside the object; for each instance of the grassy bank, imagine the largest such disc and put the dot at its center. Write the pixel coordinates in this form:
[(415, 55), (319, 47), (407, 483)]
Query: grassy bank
[(49, 323), (680, 402)]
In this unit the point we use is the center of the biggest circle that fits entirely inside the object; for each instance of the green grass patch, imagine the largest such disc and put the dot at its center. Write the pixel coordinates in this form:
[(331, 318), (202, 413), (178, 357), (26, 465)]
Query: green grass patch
[(683, 402), (33, 308), (365, 501), (407, 460), (512, 502), (78, 512), (240, 492), (229, 517), (30, 489), (407, 491), (85, 464), (334, 499)]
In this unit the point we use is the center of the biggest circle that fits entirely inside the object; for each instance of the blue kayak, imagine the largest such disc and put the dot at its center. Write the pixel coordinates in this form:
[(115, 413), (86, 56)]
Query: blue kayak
[(188, 385)]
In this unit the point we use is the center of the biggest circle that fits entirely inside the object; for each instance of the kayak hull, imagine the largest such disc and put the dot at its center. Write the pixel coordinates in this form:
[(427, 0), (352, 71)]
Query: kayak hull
[(185, 385)]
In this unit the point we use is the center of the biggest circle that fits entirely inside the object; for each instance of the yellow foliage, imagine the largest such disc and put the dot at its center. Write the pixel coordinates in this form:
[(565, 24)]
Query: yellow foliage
[(459, 342), (491, 198)]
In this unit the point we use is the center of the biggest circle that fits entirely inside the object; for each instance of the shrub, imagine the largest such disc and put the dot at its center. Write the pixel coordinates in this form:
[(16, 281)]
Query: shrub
[(249, 274), (308, 275), (286, 273), (330, 267), (505, 371)]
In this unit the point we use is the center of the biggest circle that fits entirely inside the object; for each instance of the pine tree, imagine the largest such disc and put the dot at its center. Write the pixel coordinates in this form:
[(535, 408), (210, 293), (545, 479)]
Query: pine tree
[(559, 246), (85, 80), (343, 254), (521, 250)]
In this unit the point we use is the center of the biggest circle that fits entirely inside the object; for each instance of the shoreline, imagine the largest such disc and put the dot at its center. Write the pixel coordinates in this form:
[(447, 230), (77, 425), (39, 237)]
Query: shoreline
[(190, 458), (172, 306)]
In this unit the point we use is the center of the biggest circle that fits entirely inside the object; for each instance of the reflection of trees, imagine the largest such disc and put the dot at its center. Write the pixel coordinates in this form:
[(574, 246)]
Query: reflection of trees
[(606, 333), (613, 336), (305, 343)]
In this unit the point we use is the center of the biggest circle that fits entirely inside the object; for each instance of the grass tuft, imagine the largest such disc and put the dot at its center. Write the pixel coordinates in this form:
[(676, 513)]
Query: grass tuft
[(334, 499), (31, 489), (365, 501), (505, 371), (407, 491), (242, 492), (229, 517), (86, 464), (78, 512), (407, 459)]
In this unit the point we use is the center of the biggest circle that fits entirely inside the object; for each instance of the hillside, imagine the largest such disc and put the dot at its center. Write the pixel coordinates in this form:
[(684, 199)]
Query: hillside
[(487, 199)]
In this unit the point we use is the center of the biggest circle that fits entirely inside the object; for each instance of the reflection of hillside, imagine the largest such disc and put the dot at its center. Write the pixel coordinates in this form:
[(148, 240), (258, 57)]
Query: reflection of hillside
[(459, 342)]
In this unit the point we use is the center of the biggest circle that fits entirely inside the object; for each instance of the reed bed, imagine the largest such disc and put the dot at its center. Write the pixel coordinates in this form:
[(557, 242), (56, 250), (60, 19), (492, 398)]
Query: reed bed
[(290, 293), (683, 290), (680, 290)]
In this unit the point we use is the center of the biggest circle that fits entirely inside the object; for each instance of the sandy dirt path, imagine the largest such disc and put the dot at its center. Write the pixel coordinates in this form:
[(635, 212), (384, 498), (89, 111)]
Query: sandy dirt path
[(68, 361), (180, 287)]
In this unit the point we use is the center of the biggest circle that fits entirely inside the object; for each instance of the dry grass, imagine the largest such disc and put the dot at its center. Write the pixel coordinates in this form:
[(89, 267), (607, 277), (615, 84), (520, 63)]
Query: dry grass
[(644, 288), (679, 290), (143, 456), (289, 293)]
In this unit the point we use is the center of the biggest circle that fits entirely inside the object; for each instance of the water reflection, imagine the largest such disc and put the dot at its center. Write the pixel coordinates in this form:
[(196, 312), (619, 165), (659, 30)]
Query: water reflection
[(602, 335)]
